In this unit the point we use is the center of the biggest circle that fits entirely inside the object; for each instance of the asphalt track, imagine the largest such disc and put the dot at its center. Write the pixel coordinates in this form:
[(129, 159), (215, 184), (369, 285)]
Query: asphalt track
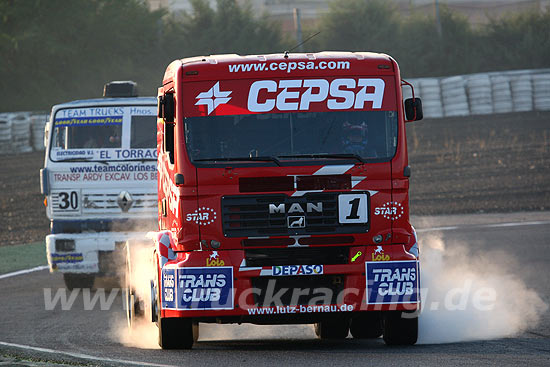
[(86, 337)]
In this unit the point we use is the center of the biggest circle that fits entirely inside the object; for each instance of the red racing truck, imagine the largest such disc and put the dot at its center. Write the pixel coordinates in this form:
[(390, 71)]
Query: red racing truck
[(283, 197)]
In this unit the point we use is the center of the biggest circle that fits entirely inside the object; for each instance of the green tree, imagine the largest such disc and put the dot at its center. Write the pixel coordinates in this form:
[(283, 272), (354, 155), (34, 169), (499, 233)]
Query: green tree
[(518, 41), (55, 50), (228, 28), (360, 25), (423, 52)]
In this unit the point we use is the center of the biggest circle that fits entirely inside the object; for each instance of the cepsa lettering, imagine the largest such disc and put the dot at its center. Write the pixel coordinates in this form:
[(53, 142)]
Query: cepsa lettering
[(343, 92)]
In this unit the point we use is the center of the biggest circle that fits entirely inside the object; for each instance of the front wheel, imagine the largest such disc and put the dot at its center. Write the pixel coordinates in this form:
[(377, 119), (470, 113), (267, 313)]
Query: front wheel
[(177, 333), (332, 329), (400, 328), (367, 325), (173, 332), (73, 281)]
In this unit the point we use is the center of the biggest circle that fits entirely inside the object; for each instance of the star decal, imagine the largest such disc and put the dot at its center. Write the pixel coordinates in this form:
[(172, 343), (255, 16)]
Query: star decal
[(213, 97)]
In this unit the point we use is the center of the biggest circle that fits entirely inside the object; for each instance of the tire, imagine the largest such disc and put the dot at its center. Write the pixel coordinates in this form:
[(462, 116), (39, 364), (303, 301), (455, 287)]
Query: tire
[(177, 333), (367, 325), (73, 281), (399, 330), (332, 329), (134, 310), (195, 331), (174, 332)]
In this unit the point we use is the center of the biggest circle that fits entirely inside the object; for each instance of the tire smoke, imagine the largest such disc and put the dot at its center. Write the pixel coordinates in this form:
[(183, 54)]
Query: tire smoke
[(471, 295), (467, 295), (143, 333)]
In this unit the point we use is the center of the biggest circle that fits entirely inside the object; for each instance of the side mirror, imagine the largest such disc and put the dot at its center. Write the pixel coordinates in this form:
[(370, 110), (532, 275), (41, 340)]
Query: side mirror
[(44, 183), (166, 107), (160, 107), (413, 109), (46, 134)]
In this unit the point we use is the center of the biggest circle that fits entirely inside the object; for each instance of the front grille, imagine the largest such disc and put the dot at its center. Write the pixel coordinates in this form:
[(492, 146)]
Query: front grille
[(321, 255), (303, 241), (298, 290), (99, 201), (316, 213)]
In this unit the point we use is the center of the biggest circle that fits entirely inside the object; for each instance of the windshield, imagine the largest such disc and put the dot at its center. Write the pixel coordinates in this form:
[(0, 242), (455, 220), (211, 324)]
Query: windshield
[(369, 135), (104, 133)]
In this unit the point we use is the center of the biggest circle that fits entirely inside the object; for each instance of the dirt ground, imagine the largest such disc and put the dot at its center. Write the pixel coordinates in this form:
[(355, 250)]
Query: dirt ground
[(495, 163)]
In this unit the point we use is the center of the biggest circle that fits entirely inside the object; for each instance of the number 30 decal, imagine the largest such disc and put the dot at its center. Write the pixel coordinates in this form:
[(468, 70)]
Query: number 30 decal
[(68, 200), (353, 208)]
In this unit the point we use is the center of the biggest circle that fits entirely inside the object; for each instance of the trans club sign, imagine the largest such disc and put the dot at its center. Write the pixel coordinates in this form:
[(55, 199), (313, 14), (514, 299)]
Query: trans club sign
[(392, 282), (197, 288), (234, 97)]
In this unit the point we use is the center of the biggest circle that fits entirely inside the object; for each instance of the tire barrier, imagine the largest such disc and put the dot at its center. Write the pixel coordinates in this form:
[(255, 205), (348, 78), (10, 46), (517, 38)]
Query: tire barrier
[(483, 93), (541, 86), (5, 135), (22, 132), (522, 92), (38, 122), (502, 94), (480, 94), (455, 100), (430, 94)]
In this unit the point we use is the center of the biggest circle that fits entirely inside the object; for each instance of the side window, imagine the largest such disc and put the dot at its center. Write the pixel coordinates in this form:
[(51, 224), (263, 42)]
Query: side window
[(167, 112), (144, 132), (169, 140)]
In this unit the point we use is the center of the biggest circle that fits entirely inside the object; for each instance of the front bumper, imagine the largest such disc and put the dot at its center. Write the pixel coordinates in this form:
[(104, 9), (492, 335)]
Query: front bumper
[(91, 252), (219, 285)]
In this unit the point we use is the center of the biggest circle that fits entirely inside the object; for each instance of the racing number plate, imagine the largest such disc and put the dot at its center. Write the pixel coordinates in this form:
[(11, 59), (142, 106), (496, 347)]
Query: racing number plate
[(353, 208)]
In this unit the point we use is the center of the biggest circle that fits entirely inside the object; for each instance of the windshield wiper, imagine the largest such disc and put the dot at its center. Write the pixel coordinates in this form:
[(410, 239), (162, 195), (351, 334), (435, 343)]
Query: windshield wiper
[(261, 158), (332, 155), (82, 160), (142, 160)]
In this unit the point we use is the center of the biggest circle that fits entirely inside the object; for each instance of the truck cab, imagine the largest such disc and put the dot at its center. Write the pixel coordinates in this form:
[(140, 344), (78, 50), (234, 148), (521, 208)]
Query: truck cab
[(283, 196), (99, 180)]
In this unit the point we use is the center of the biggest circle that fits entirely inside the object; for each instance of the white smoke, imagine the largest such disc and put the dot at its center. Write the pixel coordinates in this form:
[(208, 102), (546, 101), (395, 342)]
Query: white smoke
[(144, 333), (472, 295), (466, 295)]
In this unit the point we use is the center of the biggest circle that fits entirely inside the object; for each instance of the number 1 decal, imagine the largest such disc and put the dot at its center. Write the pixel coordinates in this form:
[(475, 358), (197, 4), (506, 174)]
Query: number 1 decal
[(353, 208)]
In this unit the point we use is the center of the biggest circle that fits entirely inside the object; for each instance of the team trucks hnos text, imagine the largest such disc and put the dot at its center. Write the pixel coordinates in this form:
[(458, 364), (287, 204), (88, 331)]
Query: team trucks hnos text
[(283, 198)]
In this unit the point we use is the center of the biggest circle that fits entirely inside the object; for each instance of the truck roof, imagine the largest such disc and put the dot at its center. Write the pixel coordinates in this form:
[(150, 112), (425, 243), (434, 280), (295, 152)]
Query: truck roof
[(107, 102), (310, 56), (222, 61)]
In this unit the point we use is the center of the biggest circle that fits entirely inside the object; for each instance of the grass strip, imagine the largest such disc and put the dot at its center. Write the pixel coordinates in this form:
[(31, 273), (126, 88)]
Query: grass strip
[(20, 257)]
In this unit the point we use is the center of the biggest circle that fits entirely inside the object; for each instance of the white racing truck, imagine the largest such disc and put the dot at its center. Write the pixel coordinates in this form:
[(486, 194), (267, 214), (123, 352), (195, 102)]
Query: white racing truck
[(100, 181)]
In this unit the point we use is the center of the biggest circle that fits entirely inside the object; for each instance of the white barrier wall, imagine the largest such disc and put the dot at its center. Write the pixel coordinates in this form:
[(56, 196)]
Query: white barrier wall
[(461, 95)]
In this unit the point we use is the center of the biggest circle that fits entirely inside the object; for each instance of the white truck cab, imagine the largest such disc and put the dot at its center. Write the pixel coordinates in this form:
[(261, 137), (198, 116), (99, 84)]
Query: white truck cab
[(100, 181)]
